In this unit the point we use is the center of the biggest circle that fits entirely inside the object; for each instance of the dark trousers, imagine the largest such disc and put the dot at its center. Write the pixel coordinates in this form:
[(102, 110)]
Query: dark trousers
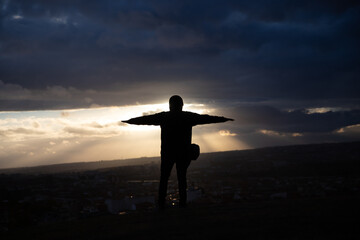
[(181, 169)]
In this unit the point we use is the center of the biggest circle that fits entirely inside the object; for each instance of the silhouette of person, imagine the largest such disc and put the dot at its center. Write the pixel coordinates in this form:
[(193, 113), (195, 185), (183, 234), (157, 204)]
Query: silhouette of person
[(176, 130)]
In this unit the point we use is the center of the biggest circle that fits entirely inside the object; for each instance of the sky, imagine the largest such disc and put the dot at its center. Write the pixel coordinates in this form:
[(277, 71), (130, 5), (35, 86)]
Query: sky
[(70, 71)]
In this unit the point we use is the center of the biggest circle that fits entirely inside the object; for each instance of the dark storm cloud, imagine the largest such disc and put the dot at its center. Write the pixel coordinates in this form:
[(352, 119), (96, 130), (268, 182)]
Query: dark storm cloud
[(283, 54), (82, 43), (298, 121)]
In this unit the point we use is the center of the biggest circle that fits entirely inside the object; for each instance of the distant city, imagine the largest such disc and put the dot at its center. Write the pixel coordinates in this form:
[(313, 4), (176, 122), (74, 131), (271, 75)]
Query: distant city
[(37, 196)]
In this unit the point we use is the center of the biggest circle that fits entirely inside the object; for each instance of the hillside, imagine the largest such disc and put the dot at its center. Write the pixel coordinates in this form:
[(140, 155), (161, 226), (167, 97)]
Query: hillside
[(289, 192), (348, 153)]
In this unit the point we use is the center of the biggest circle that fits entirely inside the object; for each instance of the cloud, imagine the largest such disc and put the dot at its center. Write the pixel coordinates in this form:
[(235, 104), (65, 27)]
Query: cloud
[(18, 98), (94, 125), (13, 92), (295, 121), (20, 131), (151, 112), (279, 134), (349, 130), (83, 131), (61, 98), (246, 49), (35, 124), (80, 131), (65, 114), (226, 133)]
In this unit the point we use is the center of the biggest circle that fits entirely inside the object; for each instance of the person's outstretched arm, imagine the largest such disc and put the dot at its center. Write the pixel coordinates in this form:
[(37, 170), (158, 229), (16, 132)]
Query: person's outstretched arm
[(206, 119), (154, 119)]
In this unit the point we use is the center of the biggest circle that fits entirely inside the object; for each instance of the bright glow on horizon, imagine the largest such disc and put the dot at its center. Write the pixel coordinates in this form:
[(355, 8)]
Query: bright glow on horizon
[(29, 138)]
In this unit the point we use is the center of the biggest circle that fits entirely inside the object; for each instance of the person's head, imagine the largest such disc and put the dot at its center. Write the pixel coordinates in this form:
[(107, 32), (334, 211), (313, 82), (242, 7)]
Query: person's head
[(176, 103)]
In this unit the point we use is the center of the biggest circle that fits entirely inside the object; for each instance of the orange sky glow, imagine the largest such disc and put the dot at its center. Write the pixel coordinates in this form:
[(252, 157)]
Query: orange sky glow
[(33, 138)]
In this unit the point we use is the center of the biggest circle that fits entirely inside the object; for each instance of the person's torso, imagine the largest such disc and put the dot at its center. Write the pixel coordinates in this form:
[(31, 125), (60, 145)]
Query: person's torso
[(176, 131)]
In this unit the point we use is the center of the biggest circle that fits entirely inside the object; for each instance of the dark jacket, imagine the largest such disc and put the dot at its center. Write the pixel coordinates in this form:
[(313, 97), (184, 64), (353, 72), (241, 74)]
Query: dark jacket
[(176, 129)]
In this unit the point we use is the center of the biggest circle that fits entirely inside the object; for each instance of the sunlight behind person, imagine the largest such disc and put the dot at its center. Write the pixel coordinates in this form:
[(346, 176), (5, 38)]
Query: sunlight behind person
[(29, 138)]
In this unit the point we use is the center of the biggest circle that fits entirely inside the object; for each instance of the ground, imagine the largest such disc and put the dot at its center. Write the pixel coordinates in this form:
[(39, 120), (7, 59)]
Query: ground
[(315, 218)]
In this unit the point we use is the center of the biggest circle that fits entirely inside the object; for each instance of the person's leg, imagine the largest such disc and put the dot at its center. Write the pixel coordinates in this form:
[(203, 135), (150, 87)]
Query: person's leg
[(166, 167), (181, 169)]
